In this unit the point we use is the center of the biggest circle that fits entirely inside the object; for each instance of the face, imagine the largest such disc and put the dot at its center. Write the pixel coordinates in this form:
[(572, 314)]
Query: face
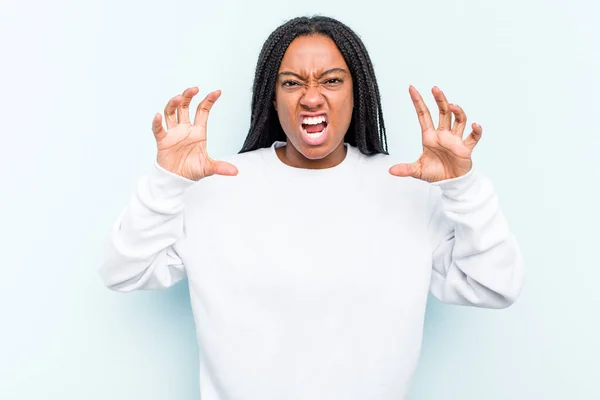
[(314, 102)]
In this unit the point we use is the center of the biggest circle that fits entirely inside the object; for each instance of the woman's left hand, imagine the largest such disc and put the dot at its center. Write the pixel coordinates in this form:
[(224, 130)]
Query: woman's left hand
[(445, 154)]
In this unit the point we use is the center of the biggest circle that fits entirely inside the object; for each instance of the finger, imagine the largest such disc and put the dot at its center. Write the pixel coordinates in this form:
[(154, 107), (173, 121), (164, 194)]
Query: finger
[(473, 138), (405, 170), (183, 111), (170, 111), (445, 122), (204, 108), (157, 127), (460, 120), (422, 111), (223, 168)]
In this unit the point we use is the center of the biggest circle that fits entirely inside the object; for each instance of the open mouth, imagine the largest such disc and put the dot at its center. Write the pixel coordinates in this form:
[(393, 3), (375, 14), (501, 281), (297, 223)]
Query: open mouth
[(314, 126)]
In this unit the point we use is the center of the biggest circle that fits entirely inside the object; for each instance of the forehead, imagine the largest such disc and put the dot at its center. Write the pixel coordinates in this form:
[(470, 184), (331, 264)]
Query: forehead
[(311, 54)]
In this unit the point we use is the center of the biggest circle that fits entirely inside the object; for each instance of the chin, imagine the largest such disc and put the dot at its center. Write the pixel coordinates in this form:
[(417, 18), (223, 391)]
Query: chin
[(312, 152), (317, 153)]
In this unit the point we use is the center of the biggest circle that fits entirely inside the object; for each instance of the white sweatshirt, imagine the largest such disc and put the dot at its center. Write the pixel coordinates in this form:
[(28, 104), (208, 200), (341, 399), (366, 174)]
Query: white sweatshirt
[(312, 284)]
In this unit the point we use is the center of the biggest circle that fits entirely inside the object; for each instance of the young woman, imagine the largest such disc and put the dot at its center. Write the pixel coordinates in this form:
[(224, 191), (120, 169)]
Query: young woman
[(310, 254)]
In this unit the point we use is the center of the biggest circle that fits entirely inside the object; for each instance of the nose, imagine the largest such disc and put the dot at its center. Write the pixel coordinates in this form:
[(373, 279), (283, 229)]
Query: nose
[(312, 98)]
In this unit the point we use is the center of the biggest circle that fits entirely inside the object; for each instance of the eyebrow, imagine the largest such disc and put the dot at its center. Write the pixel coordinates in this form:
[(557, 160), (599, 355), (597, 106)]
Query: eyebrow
[(329, 71)]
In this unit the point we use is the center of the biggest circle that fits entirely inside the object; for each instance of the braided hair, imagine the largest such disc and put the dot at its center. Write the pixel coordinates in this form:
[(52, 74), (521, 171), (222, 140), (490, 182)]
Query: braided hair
[(366, 130)]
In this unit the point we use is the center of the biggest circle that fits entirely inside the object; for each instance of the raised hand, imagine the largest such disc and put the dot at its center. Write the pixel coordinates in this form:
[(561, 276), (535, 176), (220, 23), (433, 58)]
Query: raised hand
[(182, 147), (445, 154)]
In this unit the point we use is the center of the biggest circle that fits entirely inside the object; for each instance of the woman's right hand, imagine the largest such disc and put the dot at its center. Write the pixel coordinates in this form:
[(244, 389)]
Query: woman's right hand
[(182, 147)]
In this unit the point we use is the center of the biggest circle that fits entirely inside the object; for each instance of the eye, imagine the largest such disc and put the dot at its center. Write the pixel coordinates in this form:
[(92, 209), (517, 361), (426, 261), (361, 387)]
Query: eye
[(333, 81), (289, 83)]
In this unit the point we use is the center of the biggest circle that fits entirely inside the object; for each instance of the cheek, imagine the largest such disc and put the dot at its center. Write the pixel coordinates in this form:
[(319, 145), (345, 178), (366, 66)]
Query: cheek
[(345, 107), (350, 97), (286, 111)]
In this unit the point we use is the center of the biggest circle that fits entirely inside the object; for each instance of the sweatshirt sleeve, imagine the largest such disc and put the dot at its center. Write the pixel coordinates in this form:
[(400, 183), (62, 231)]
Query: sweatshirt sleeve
[(141, 252), (476, 259)]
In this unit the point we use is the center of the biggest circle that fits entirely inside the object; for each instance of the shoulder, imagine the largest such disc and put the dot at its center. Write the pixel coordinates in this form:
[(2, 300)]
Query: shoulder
[(250, 165), (398, 198), (376, 169), (250, 159)]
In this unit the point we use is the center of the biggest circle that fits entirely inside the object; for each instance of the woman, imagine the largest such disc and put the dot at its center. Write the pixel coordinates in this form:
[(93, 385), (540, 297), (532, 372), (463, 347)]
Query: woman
[(310, 254)]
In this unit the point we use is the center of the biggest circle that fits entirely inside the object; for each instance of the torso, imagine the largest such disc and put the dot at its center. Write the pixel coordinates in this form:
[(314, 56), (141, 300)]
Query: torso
[(306, 283)]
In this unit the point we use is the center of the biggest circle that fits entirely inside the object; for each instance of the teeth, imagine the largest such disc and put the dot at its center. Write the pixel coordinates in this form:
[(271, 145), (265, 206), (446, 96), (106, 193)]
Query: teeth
[(313, 120)]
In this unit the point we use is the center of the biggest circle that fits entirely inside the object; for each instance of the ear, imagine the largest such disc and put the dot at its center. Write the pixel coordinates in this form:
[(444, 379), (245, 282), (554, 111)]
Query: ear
[(275, 105)]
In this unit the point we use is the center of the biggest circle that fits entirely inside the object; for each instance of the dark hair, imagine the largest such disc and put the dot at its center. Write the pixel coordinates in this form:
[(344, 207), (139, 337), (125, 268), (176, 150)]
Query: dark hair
[(366, 130)]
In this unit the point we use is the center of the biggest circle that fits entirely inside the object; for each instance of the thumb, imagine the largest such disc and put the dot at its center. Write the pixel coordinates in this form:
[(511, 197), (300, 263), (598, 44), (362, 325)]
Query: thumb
[(405, 170), (223, 168)]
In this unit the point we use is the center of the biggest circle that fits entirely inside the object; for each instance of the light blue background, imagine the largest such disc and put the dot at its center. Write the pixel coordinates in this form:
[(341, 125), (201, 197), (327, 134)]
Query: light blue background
[(79, 85)]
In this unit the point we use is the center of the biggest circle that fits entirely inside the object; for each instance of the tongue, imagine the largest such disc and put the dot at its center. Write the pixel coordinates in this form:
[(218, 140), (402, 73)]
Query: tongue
[(315, 128)]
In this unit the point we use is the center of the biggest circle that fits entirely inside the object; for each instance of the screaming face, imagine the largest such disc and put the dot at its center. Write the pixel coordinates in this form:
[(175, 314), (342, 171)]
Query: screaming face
[(314, 102)]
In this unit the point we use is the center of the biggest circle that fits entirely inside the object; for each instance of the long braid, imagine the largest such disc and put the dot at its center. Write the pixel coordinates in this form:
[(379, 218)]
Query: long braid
[(366, 130), (363, 120), (264, 121), (374, 113)]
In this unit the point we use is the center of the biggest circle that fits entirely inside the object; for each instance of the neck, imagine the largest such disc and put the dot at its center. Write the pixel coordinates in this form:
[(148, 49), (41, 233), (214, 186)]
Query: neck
[(289, 155)]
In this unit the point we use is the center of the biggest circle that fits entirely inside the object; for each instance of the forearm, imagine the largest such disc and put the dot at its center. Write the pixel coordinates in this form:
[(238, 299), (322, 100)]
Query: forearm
[(140, 252), (477, 261)]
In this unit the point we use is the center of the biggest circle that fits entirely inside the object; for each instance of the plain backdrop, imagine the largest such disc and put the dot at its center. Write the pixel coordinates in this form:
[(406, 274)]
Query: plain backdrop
[(81, 80)]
